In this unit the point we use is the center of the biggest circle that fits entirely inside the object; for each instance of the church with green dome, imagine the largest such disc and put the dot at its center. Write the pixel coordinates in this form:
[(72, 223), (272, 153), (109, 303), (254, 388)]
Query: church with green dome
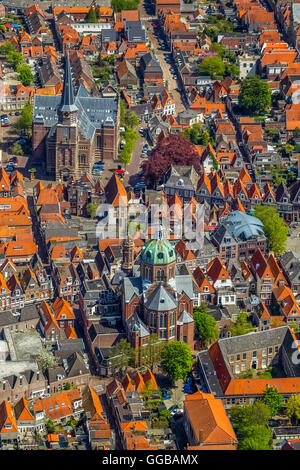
[(158, 261), (160, 299)]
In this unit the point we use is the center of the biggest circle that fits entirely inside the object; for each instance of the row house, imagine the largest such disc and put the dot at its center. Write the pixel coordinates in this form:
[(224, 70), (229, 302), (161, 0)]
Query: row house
[(28, 383), (67, 281), (56, 321), (15, 97)]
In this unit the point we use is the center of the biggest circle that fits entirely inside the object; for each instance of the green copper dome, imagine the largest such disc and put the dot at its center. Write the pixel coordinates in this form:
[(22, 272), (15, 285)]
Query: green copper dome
[(158, 252)]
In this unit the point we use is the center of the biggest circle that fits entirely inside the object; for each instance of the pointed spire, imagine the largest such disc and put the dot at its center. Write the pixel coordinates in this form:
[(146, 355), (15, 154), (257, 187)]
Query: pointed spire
[(67, 103)]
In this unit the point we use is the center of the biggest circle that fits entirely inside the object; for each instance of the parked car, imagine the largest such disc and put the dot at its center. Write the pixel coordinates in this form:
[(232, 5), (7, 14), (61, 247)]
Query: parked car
[(14, 159), (9, 169), (17, 113), (166, 397), (5, 124)]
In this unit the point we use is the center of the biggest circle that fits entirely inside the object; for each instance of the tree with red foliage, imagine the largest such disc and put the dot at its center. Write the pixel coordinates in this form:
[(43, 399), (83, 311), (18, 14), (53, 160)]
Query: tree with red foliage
[(172, 150)]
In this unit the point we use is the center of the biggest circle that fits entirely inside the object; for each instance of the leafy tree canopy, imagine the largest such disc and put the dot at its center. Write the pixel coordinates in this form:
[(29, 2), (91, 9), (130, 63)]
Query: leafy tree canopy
[(119, 5), (274, 227), (273, 399), (91, 16), (25, 76), (172, 150), (24, 122), (255, 95), (206, 326), (250, 415), (213, 66), (241, 325), (256, 438), (176, 360), (122, 355), (293, 407), (91, 210)]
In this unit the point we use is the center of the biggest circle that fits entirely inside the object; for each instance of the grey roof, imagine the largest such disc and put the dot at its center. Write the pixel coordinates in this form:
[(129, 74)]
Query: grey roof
[(208, 370), (160, 300), (184, 318), (250, 341), (93, 112), (67, 97), (184, 284), (138, 326), (185, 176), (134, 31), (109, 35), (149, 61), (243, 226), (132, 286)]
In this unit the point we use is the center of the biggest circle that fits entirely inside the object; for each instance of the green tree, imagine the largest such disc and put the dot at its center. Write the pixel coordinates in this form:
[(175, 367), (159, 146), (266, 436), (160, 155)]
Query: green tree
[(25, 76), (132, 119), (91, 210), (91, 16), (46, 360), (274, 227), (119, 5), (67, 386), (15, 58), (241, 326), (273, 399), (232, 70), (176, 360), (150, 354), (293, 407), (255, 95), (256, 438), (215, 162), (24, 122), (213, 66), (249, 415), (206, 327), (50, 426), (16, 149), (122, 355), (272, 133), (6, 48)]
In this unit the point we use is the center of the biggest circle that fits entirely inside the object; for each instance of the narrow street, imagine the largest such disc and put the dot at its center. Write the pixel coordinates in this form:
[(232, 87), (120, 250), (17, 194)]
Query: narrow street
[(152, 33)]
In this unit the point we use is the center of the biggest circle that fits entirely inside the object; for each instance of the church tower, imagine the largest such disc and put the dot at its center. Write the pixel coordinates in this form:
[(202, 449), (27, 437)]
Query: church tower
[(128, 255), (67, 129)]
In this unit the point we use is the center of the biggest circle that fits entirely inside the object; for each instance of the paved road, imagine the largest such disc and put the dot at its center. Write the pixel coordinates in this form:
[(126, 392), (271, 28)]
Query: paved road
[(160, 54)]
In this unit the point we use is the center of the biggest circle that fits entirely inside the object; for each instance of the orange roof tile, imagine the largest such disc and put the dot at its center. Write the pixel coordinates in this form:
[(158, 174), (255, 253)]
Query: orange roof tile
[(207, 414)]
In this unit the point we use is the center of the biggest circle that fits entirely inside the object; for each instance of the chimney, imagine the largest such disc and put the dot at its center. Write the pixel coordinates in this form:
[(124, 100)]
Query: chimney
[(200, 436)]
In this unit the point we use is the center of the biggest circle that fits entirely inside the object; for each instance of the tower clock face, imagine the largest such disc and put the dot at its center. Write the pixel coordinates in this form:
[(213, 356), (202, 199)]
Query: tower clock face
[(66, 115)]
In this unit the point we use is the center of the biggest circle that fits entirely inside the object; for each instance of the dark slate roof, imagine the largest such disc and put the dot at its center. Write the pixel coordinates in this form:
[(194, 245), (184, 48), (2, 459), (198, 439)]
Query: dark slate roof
[(208, 370), (132, 286), (250, 341), (160, 300), (29, 313), (187, 176), (149, 61), (67, 97), (134, 31), (93, 112), (109, 35)]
